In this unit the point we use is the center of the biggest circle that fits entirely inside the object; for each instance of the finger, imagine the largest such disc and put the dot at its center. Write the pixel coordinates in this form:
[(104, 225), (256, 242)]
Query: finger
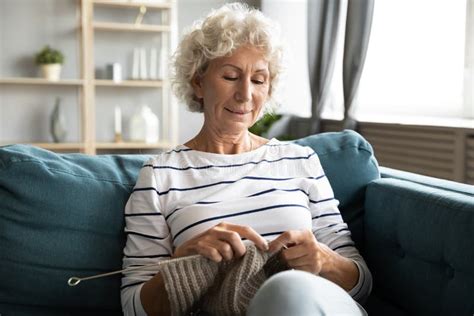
[(231, 238), (294, 252), (224, 249), (250, 234), (285, 240), (299, 261), (291, 238), (209, 252)]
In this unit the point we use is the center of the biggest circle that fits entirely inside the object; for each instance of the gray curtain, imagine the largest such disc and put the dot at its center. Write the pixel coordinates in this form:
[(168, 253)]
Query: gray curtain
[(323, 21), (358, 26)]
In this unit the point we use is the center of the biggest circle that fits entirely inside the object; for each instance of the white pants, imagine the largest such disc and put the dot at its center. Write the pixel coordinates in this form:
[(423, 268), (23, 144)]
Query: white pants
[(301, 293)]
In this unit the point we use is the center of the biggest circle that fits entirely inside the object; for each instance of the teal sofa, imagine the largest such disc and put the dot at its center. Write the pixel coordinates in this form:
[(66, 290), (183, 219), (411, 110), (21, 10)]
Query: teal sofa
[(61, 215)]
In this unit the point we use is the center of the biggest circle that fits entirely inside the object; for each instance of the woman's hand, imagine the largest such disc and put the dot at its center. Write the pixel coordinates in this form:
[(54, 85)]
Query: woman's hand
[(303, 251), (221, 242)]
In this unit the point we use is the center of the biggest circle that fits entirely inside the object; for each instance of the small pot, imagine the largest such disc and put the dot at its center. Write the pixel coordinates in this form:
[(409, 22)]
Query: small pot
[(51, 72)]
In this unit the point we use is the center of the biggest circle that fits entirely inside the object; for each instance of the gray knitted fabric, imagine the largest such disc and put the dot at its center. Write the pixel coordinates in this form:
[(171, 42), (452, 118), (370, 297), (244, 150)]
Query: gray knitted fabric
[(225, 288)]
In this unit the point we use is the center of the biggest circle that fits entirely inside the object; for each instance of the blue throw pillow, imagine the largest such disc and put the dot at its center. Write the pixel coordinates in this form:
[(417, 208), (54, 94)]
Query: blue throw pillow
[(349, 163), (62, 216)]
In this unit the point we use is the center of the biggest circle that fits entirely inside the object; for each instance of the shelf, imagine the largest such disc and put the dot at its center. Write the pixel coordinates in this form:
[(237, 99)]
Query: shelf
[(123, 4), (85, 86), (130, 83), (133, 145), (50, 146), (109, 26), (41, 81)]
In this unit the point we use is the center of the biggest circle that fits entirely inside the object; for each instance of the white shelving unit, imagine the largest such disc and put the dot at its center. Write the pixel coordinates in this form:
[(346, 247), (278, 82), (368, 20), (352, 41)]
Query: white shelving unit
[(87, 83)]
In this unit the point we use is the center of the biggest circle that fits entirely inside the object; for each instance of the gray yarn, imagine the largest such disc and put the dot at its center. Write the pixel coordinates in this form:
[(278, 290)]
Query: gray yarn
[(225, 288)]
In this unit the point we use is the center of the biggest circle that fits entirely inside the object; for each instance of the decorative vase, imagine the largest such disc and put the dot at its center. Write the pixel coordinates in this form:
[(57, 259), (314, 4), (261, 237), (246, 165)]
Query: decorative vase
[(51, 72), (58, 123), (144, 126)]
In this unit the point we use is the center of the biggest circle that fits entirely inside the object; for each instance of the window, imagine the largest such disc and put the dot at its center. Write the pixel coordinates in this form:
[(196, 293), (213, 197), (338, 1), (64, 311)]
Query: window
[(419, 61)]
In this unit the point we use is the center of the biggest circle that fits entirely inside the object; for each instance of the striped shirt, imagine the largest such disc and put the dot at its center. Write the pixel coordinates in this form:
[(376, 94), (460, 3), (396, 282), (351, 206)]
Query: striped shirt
[(183, 192)]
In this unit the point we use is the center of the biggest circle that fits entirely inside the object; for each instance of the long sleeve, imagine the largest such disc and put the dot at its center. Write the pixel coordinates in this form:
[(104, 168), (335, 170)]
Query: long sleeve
[(148, 238), (330, 229)]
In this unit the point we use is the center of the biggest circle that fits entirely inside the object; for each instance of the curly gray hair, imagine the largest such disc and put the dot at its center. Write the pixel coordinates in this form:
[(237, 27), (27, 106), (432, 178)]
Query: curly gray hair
[(220, 34)]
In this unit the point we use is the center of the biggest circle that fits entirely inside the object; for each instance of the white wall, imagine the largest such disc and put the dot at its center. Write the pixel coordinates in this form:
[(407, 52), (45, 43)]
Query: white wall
[(188, 12), (25, 110)]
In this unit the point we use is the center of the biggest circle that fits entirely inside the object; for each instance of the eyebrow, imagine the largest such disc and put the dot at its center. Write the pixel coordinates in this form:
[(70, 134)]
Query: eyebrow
[(236, 67)]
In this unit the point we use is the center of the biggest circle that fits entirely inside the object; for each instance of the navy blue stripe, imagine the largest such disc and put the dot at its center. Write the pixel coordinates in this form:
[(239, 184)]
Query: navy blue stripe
[(292, 190), (274, 233), (189, 149), (221, 182), (268, 234), (253, 195), (344, 246), (146, 189), (341, 230), (180, 208), (143, 214), (178, 150), (144, 235), (149, 256), (235, 165), (320, 201), (237, 214), (131, 284), (272, 190), (324, 215)]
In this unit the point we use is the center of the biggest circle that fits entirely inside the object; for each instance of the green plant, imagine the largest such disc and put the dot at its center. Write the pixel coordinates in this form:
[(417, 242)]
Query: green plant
[(49, 55), (263, 125)]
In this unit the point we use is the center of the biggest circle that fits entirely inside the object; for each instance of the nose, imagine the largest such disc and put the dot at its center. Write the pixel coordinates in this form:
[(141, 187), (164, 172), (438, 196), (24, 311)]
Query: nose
[(244, 91)]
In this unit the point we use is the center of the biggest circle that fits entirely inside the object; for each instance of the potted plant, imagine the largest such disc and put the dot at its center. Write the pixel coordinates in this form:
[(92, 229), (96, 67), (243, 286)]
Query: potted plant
[(50, 61)]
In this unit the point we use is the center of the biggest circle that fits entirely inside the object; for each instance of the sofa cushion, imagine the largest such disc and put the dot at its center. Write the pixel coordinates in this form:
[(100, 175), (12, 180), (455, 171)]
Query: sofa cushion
[(349, 164), (419, 247), (61, 215)]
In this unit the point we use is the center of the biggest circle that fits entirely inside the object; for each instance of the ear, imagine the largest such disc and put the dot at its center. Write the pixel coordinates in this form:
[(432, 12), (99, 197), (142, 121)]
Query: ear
[(196, 83)]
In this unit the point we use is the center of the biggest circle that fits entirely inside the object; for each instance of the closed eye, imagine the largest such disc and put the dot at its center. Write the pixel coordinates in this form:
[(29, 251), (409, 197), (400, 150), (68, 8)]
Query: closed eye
[(230, 78), (258, 82)]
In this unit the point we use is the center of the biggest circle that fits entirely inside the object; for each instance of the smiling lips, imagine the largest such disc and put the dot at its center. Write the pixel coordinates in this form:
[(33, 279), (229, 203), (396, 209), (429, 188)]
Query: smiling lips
[(238, 112)]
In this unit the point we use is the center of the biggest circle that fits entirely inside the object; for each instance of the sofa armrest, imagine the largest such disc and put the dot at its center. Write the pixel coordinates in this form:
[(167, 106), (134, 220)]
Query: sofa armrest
[(418, 245), (445, 185)]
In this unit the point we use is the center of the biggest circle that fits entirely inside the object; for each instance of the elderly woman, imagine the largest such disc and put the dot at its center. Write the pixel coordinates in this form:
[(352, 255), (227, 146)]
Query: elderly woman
[(227, 187)]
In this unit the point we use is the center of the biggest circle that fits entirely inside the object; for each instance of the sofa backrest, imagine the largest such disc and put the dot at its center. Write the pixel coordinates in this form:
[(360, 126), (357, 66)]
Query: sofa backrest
[(61, 215)]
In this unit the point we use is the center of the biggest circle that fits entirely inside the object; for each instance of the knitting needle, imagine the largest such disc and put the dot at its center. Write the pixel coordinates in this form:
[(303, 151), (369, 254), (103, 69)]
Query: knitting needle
[(282, 244), (73, 281)]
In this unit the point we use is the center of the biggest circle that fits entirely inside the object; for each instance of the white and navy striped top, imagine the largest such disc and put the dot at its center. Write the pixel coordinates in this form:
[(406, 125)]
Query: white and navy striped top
[(183, 192)]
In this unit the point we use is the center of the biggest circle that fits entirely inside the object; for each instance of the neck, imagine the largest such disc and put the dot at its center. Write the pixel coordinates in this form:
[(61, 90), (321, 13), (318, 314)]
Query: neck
[(226, 144)]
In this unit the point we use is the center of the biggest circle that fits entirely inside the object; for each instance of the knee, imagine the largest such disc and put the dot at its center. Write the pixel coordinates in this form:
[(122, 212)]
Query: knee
[(286, 293)]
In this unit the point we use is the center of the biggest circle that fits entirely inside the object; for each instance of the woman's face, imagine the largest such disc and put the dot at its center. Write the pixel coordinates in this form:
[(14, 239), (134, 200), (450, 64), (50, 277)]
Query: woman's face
[(234, 90)]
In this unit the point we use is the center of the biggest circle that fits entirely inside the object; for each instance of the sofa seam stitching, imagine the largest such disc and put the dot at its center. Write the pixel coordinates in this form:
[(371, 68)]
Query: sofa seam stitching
[(405, 194), (65, 172)]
